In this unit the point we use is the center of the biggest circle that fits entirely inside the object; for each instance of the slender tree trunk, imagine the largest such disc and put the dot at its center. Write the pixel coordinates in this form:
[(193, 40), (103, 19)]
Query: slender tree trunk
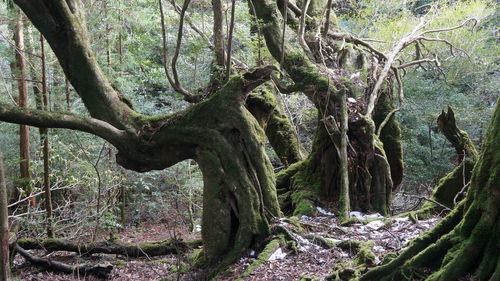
[(4, 226), (68, 94), (45, 136), (220, 57), (230, 40), (24, 141), (344, 202)]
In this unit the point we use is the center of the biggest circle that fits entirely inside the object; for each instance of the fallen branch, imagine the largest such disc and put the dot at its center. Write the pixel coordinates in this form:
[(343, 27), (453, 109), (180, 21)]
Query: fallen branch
[(158, 248), (100, 271)]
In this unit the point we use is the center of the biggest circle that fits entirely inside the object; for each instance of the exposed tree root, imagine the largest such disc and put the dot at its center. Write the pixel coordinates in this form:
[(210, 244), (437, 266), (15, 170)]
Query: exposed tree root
[(158, 248), (100, 271), (364, 257)]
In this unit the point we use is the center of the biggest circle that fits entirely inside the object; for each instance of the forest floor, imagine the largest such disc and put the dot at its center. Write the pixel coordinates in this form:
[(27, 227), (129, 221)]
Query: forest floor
[(387, 234)]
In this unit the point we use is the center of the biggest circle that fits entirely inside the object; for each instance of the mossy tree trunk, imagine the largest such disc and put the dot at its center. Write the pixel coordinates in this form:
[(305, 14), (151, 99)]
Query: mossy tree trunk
[(466, 242), (322, 80), (265, 106), (219, 134)]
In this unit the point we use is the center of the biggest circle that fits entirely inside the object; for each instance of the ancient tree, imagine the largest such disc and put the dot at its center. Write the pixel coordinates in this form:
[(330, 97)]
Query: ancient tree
[(218, 133)]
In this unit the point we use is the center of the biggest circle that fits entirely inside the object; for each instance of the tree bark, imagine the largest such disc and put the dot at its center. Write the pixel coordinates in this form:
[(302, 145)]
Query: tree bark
[(465, 243), (4, 226), (460, 140), (267, 109), (45, 137), (24, 140)]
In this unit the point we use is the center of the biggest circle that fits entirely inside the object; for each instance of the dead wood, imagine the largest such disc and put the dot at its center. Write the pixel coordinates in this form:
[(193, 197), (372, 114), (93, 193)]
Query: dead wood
[(100, 271), (158, 248)]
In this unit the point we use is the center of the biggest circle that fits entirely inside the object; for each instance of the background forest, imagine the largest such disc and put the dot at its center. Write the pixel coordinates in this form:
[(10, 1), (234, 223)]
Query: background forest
[(93, 198)]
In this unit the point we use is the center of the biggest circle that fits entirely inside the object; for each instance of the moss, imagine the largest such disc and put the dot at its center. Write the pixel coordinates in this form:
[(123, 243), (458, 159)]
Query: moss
[(319, 240), (196, 258), (304, 73), (295, 221), (352, 269), (390, 136), (365, 254), (180, 267), (284, 177), (263, 257), (160, 261), (302, 202), (118, 263)]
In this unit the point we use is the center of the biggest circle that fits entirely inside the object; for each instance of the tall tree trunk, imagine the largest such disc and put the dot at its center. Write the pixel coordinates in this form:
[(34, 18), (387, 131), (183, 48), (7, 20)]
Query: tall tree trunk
[(220, 56), (24, 140), (465, 243), (45, 136), (344, 200), (4, 226)]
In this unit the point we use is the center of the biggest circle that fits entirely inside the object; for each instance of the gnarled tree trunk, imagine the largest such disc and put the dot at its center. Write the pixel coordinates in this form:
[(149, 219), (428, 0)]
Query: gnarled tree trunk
[(317, 177), (218, 133)]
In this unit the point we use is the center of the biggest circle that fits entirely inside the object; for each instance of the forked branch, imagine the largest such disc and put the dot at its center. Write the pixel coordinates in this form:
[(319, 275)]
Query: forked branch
[(174, 78), (414, 37)]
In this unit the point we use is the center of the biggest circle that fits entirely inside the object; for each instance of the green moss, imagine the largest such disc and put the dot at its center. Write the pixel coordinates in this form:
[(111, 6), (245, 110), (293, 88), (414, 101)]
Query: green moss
[(365, 254), (180, 267), (118, 263), (160, 261), (304, 73), (263, 257), (319, 240), (302, 202), (390, 136), (351, 270)]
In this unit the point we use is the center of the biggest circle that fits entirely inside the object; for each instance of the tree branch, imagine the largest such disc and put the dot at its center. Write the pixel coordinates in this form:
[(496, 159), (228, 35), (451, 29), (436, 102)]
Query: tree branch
[(174, 82), (44, 119)]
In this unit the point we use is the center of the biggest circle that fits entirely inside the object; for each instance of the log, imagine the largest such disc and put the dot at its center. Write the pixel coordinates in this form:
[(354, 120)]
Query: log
[(99, 271), (157, 248)]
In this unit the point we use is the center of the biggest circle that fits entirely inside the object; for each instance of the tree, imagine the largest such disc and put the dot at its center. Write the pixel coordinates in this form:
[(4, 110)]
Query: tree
[(465, 242), (349, 81), (4, 226), (24, 133), (239, 194)]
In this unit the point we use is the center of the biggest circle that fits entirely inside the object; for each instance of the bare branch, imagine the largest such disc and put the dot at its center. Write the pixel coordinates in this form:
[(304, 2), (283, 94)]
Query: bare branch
[(174, 82), (415, 62), (400, 86), (407, 40), (357, 41), (302, 29), (386, 119), (450, 28)]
